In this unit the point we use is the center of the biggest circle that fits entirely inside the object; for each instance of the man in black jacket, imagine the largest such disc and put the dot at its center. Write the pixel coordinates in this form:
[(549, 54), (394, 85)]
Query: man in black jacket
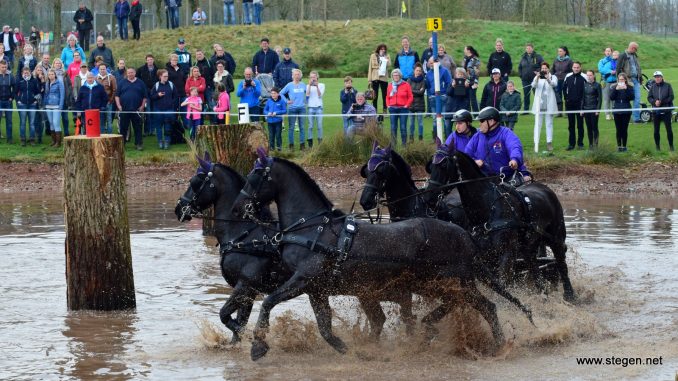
[(501, 60), (7, 92), (573, 91), (528, 68), (661, 95), (149, 75), (104, 52), (83, 24), (222, 55)]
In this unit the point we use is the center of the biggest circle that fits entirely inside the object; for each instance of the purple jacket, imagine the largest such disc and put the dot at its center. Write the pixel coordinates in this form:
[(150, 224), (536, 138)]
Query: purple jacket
[(496, 149), (121, 10), (460, 140)]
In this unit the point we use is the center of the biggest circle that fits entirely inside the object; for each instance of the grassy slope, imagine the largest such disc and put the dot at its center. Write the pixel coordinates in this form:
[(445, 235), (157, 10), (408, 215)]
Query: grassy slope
[(655, 54)]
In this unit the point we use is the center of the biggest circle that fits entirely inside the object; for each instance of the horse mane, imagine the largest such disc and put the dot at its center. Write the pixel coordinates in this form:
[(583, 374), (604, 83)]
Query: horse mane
[(307, 179), (402, 167), (240, 178), (466, 159), (265, 212)]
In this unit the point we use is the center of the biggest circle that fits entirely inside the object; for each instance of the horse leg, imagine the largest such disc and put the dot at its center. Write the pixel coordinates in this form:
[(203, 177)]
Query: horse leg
[(244, 314), (375, 315), (239, 297), (433, 317), (531, 261), (487, 310), (288, 290), (559, 250), (323, 315), (406, 313)]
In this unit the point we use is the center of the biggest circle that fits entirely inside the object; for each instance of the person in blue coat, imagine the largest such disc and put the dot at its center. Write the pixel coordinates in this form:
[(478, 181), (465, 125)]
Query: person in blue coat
[(496, 149), (91, 95), (121, 11), (463, 131), (275, 108), (249, 90)]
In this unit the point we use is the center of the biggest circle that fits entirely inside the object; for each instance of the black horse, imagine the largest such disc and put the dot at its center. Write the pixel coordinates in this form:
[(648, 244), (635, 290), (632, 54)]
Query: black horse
[(249, 263), (334, 255), (508, 223), (388, 175)]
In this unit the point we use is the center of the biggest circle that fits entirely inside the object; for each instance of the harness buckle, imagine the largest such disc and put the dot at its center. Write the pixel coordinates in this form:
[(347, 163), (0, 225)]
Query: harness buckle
[(277, 238)]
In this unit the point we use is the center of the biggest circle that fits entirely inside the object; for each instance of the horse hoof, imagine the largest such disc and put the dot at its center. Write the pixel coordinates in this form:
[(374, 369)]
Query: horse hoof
[(570, 297), (235, 339), (339, 346), (259, 350)]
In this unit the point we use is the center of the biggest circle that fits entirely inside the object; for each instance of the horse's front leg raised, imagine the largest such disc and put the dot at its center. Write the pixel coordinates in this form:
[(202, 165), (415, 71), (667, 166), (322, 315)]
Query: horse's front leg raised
[(290, 289), (241, 299), (323, 315)]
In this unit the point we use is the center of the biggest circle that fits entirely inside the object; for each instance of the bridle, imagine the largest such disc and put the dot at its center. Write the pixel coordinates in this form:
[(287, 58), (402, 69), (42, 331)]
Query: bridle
[(254, 204), (189, 207)]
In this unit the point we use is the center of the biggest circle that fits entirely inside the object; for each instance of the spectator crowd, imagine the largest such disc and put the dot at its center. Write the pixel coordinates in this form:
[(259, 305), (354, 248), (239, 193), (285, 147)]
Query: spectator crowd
[(198, 86)]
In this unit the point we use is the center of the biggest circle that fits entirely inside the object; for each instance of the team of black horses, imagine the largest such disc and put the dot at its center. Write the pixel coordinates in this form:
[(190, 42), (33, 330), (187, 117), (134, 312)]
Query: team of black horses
[(463, 228)]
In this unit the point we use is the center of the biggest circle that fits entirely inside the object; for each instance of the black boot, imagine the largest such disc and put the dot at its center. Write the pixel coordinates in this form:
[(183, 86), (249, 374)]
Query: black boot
[(302, 146), (658, 148), (310, 143), (320, 140), (291, 147)]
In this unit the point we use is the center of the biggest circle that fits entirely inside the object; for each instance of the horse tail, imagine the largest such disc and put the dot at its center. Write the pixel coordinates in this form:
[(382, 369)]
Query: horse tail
[(489, 279)]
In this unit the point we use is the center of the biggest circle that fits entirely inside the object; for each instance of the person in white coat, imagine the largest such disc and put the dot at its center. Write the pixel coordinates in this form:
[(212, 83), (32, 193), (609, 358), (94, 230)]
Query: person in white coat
[(545, 106)]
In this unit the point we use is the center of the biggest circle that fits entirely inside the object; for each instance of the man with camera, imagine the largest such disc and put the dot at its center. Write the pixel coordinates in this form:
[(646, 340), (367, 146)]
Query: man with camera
[(249, 90), (361, 114)]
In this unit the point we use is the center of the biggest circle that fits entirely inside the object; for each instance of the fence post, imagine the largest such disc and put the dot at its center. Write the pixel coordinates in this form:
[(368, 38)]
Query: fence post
[(234, 145), (98, 255)]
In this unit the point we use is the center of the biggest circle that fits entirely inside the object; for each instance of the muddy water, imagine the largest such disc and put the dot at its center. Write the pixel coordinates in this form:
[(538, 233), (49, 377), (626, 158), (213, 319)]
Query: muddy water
[(622, 260)]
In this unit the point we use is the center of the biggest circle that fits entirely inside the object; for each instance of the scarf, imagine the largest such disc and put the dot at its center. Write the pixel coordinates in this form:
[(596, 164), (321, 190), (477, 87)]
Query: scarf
[(59, 72), (27, 60), (417, 79), (395, 85), (218, 77), (90, 86), (83, 77), (565, 58)]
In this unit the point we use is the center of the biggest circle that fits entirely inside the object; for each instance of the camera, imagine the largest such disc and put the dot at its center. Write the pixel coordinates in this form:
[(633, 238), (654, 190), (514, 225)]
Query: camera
[(357, 106), (542, 74), (248, 82)]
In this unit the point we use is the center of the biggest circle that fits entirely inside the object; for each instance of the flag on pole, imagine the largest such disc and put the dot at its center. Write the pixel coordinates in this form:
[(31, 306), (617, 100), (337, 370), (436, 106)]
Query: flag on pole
[(404, 8)]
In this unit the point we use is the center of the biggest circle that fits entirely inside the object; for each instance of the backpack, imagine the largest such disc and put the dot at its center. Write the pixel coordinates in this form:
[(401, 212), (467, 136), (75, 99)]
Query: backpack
[(158, 84)]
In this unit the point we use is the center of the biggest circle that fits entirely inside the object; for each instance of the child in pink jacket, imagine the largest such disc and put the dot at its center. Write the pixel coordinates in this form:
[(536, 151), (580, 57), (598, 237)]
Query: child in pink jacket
[(193, 110), (223, 106)]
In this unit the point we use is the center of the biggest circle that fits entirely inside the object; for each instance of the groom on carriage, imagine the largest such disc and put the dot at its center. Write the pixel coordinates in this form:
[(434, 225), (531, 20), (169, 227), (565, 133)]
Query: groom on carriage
[(496, 149)]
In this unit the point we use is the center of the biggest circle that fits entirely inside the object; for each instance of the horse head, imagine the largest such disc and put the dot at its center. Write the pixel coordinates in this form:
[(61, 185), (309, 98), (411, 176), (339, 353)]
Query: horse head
[(210, 183), (259, 189), (376, 172), (442, 169)]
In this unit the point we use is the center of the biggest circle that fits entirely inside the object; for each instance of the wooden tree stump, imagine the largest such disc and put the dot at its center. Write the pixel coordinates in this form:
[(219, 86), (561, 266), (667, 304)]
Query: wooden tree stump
[(98, 255), (233, 145)]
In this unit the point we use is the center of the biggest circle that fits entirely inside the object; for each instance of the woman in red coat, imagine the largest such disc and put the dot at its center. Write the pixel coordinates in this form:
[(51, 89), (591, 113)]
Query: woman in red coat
[(398, 99), (197, 81)]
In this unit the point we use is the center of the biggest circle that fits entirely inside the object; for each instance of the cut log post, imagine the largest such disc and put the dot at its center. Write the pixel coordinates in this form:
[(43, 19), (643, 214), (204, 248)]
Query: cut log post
[(98, 255), (233, 145)]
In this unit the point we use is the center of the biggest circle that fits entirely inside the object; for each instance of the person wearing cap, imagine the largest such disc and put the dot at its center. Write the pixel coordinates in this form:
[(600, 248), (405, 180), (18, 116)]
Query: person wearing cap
[(493, 91), (185, 61), (500, 59), (544, 106), (496, 149), (78, 82), (172, 7), (661, 95), (282, 74), (121, 11), (265, 60), (463, 130)]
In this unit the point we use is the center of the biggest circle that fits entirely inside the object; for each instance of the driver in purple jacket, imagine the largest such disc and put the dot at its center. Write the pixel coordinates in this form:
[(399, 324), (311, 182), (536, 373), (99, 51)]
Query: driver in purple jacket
[(496, 149)]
